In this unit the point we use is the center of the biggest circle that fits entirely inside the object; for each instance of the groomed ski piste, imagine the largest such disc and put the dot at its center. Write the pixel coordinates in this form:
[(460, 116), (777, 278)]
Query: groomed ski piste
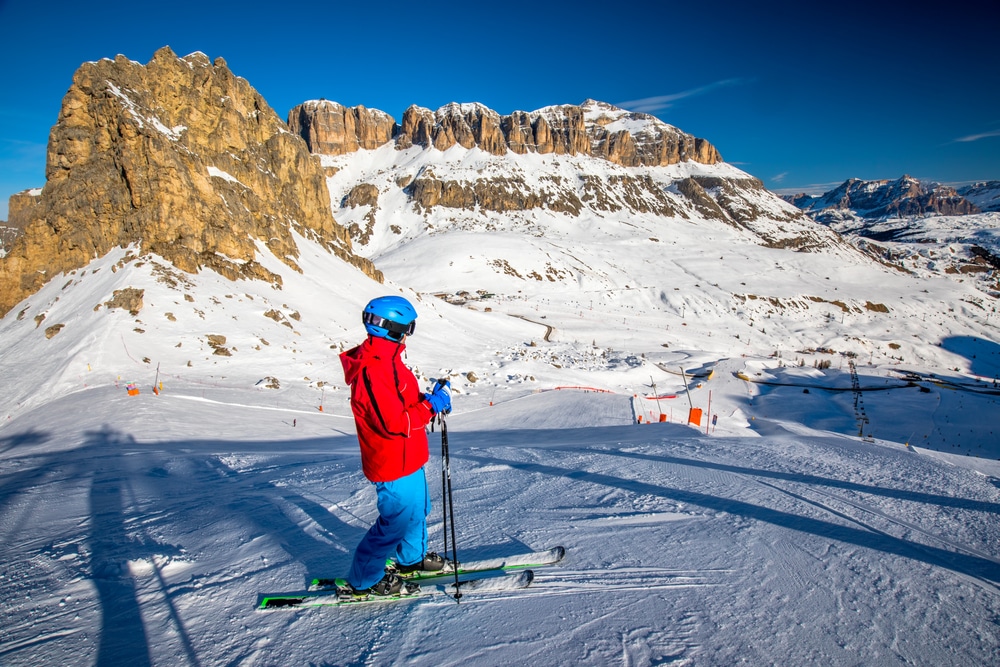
[(145, 530)]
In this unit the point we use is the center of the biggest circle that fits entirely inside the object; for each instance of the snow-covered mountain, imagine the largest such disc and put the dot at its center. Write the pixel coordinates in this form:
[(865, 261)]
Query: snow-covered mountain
[(917, 226), (576, 175), (613, 293), (905, 196), (609, 259), (985, 195)]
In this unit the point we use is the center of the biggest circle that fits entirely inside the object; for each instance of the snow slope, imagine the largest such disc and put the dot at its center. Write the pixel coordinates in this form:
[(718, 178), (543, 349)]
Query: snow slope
[(143, 530)]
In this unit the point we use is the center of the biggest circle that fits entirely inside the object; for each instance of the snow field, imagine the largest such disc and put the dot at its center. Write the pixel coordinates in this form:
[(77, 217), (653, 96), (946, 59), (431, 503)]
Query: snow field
[(146, 530)]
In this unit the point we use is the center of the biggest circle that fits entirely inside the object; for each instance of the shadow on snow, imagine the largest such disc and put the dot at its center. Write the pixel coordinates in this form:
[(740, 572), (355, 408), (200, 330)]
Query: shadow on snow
[(983, 355)]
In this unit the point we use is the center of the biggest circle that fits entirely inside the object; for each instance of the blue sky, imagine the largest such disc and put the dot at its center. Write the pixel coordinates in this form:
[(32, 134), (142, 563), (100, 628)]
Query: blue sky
[(802, 95)]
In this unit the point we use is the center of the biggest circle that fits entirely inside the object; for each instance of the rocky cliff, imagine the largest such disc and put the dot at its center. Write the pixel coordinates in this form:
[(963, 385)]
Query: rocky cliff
[(590, 129), (593, 128), (179, 157), (333, 129)]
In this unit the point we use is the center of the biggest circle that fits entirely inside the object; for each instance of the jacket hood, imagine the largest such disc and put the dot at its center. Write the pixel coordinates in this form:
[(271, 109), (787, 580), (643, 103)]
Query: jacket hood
[(378, 348)]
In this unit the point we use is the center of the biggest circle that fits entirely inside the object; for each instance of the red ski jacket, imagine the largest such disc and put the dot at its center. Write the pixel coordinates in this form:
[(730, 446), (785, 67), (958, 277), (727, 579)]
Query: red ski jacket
[(389, 410)]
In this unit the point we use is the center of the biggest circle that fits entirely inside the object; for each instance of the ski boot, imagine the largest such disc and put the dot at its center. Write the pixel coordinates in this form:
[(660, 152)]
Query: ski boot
[(432, 562), (390, 584)]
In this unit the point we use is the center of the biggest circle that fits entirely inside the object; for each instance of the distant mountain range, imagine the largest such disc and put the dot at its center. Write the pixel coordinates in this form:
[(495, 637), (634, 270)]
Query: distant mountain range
[(906, 221), (903, 197)]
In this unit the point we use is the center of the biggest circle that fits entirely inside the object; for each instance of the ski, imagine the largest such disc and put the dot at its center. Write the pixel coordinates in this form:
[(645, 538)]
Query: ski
[(334, 597), (505, 564)]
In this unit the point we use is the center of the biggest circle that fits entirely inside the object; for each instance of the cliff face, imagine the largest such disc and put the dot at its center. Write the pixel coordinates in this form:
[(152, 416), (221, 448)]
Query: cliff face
[(180, 157), (593, 128), (590, 129), (332, 129)]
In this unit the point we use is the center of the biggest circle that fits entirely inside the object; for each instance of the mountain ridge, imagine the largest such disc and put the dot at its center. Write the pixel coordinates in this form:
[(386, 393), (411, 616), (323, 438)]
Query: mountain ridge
[(591, 128), (902, 197)]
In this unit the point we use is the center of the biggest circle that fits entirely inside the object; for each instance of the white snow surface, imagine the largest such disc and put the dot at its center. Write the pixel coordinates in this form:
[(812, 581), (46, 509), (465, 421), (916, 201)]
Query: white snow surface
[(143, 530), (811, 517), (224, 175)]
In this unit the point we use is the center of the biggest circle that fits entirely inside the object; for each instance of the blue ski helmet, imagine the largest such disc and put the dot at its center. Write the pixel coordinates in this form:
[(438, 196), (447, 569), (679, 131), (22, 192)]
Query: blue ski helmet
[(390, 317)]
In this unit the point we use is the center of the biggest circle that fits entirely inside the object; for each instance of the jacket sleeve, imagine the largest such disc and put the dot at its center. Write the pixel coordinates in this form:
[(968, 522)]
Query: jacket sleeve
[(390, 413)]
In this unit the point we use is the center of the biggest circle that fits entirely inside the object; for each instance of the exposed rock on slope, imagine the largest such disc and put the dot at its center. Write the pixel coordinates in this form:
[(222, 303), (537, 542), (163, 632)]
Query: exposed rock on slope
[(181, 157)]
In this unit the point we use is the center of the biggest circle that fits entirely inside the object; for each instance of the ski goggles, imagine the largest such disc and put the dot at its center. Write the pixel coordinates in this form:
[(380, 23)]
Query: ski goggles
[(399, 330)]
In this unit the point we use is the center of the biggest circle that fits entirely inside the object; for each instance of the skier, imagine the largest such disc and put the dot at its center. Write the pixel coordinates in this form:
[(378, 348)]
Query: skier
[(390, 414)]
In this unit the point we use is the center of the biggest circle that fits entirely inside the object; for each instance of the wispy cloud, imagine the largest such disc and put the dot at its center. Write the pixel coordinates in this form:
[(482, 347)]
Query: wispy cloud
[(977, 137), (780, 177), (660, 102), (814, 189)]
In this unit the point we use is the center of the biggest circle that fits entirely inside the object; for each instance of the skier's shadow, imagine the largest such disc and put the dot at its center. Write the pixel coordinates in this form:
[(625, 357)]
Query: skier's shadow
[(266, 507), (334, 560)]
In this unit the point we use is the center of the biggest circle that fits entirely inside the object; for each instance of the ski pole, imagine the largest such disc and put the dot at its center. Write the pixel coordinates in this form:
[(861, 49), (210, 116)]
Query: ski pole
[(447, 499), (451, 505)]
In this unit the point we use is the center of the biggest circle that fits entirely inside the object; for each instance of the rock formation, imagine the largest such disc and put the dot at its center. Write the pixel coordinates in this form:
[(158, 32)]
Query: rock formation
[(332, 129), (593, 129), (180, 157)]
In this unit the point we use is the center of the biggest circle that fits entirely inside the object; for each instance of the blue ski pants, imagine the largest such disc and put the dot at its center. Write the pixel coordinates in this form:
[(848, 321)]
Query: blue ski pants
[(400, 530)]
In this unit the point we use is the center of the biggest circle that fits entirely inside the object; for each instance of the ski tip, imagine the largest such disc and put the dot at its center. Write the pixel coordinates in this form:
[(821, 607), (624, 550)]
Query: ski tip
[(527, 577), (558, 553)]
